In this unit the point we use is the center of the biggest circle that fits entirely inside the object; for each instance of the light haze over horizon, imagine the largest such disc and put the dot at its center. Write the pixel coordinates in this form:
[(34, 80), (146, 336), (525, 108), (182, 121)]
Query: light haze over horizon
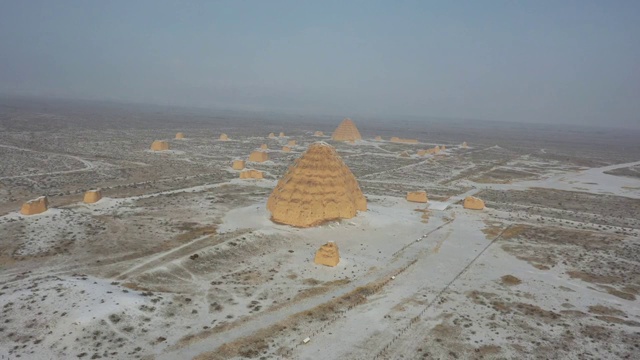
[(566, 62)]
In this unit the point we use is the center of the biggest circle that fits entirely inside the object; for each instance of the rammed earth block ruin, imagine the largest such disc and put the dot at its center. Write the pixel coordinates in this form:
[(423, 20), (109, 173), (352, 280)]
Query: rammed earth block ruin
[(473, 203), (35, 206), (159, 145), (92, 196), (317, 188), (179, 135), (417, 196), (237, 164), (258, 156), (224, 137), (346, 131), (251, 174)]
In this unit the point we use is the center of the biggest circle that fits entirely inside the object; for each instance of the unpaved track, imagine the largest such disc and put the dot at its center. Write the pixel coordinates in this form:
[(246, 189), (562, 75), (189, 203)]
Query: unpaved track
[(269, 318)]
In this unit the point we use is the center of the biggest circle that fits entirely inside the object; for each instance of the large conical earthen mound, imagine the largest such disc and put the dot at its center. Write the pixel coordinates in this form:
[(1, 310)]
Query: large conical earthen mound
[(318, 187), (346, 131)]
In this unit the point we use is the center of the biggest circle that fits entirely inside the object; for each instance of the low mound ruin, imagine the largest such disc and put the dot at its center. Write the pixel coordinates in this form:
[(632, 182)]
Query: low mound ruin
[(443, 148), (224, 137), (317, 188), (431, 151), (396, 139), (264, 147), (179, 135), (464, 145), (318, 133), (327, 255), (346, 131), (258, 156), (251, 174), (92, 196), (35, 206), (282, 134), (405, 154), (286, 149), (237, 164), (291, 143), (378, 138), (272, 135), (417, 196), (473, 203), (159, 145)]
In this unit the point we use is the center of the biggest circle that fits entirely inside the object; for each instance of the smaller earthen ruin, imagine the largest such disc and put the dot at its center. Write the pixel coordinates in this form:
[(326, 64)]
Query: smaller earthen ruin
[(291, 143), (92, 196), (378, 138), (464, 145), (405, 154), (237, 164), (35, 206), (396, 139), (272, 135), (258, 156), (264, 147), (417, 196), (318, 133), (282, 134), (179, 135), (159, 145), (473, 203), (346, 131), (224, 137), (286, 149), (251, 174), (327, 255)]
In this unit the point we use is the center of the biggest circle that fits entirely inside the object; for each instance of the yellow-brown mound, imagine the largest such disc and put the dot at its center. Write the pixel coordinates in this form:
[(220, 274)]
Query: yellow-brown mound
[(224, 137), (473, 203), (251, 174), (318, 187), (327, 255), (417, 196), (346, 131), (159, 145), (258, 156), (35, 206), (92, 196), (179, 135), (237, 165)]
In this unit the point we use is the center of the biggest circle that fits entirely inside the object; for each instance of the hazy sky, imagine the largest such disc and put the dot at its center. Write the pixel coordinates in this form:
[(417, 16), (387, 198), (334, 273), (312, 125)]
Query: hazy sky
[(530, 61)]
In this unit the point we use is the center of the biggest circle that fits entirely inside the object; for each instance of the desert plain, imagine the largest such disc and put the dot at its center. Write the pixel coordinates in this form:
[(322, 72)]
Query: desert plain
[(179, 259)]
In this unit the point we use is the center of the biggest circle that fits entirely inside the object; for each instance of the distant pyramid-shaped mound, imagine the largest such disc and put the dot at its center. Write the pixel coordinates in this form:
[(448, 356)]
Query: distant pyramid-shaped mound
[(318, 187), (346, 131)]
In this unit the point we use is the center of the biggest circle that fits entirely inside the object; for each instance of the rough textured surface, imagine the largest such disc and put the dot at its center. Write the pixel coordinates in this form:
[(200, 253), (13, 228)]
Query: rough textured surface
[(417, 196), (431, 151), (264, 147), (282, 134), (464, 145), (272, 135), (318, 187), (258, 156), (286, 149), (401, 140), (35, 206), (251, 174), (378, 138), (291, 143), (159, 145), (405, 154), (92, 196), (327, 255), (237, 165), (473, 203), (224, 137), (180, 135), (346, 131), (318, 133)]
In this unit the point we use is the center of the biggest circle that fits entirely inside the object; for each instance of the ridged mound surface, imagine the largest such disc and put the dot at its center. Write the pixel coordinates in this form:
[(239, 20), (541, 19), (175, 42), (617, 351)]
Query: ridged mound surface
[(318, 187), (328, 255), (346, 131), (417, 196)]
